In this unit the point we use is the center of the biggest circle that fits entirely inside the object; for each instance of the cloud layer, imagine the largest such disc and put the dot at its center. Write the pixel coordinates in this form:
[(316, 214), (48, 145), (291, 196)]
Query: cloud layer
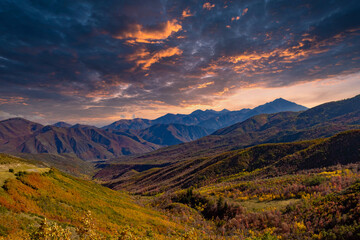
[(103, 60)]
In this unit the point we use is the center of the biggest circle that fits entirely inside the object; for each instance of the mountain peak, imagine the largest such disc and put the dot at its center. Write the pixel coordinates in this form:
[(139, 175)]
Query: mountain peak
[(61, 124), (16, 119), (280, 105), (281, 99)]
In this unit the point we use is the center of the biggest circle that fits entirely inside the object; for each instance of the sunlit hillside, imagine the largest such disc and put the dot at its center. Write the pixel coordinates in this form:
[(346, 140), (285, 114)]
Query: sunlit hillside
[(30, 193)]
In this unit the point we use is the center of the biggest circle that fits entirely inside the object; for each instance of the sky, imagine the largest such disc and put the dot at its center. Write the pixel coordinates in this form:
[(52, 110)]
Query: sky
[(95, 62)]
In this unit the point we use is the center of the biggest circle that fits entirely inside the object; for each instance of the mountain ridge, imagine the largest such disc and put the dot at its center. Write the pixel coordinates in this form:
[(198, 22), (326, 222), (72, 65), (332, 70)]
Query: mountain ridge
[(86, 142), (209, 119)]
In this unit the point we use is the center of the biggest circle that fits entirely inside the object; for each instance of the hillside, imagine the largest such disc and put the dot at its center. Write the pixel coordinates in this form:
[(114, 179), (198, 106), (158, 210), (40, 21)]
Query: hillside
[(67, 162), (264, 160), (15, 130), (321, 204), (27, 197)]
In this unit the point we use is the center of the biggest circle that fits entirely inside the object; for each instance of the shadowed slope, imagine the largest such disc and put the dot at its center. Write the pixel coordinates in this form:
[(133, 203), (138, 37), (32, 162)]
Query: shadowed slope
[(267, 160)]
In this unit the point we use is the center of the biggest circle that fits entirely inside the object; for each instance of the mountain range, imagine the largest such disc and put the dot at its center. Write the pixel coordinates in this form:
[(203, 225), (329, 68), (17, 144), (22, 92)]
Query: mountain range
[(208, 119), (124, 137), (22, 136)]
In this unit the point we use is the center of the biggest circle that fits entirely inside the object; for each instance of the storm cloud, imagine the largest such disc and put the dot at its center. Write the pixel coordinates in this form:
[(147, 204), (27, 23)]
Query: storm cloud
[(106, 59)]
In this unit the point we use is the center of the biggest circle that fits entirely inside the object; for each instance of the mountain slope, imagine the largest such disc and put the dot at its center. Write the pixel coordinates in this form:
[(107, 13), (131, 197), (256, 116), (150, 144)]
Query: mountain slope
[(171, 134), (137, 123), (267, 160), (14, 131), (61, 124), (86, 142), (193, 118), (68, 163)]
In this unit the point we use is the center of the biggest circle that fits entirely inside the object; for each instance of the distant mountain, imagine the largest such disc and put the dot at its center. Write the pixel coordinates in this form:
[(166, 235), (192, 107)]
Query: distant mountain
[(193, 118), (17, 127), (279, 105), (137, 123), (210, 119), (14, 131), (232, 117), (86, 142), (321, 121), (171, 134), (61, 124)]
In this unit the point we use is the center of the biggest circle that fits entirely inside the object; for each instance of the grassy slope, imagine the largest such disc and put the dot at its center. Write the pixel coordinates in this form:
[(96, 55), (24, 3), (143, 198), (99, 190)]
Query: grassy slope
[(8, 162), (68, 163), (24, 200)]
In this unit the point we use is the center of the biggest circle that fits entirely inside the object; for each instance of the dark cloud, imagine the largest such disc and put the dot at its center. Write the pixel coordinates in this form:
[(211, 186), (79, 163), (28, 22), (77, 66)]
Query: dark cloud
[(90, 58)]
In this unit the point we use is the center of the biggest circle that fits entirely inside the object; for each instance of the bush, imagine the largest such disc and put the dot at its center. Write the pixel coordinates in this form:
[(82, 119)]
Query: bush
[(314, 181), (21, 173), (48, 231)]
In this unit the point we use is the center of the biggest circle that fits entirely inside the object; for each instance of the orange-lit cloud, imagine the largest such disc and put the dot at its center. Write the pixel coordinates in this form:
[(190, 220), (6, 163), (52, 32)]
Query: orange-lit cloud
[(146, 60), (139, 53), (139, 34), (253, 63), (186, 13), (13, 100), (222, 92), (244, 11), (208, 6), (204, 85), (198, 86)]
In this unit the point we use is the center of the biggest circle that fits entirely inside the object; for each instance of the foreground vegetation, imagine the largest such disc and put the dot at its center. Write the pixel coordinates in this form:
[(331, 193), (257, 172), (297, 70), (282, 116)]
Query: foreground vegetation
[(29, 197), (317, 204)]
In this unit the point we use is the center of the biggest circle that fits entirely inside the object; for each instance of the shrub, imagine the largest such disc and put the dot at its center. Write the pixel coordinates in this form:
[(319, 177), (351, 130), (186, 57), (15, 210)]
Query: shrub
[(314, 181), (48, 231)]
